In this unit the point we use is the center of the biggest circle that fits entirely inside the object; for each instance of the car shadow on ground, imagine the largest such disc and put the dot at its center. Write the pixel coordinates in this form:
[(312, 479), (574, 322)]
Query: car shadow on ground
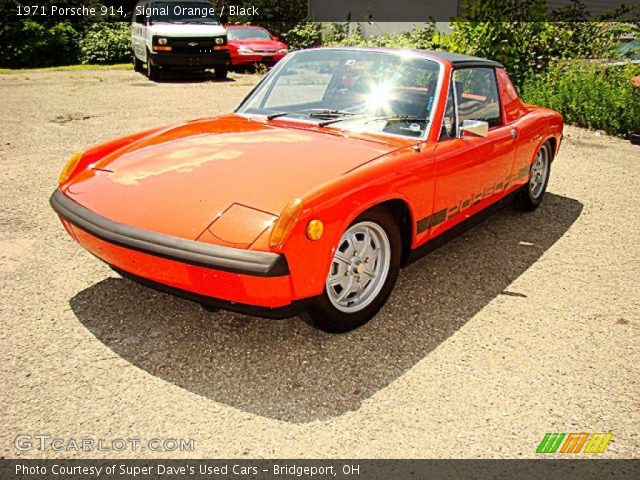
[(186, 76), (286, 370)]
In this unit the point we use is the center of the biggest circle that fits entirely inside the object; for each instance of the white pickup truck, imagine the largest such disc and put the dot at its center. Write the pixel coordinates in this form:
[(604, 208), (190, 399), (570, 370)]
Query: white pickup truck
[(185, 34)]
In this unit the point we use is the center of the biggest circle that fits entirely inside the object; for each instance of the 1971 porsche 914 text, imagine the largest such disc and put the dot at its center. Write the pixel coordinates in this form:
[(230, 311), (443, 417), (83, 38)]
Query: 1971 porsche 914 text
[(338, 167)]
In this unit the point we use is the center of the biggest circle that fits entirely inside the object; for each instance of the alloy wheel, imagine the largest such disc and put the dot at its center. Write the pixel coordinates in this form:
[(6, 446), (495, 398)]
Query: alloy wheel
[(359, 267)]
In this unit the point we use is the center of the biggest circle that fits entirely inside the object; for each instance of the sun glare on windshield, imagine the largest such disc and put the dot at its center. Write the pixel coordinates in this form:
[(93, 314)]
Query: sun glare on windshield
[(379, 98), (355, 90)]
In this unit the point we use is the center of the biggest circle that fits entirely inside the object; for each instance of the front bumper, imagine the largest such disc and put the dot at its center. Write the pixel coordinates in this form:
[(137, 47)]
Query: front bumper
[(230, 278), (247, 60), (193, 60)]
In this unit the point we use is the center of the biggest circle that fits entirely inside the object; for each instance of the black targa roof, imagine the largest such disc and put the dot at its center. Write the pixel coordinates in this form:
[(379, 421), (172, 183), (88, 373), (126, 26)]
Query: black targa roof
[(459, 61)]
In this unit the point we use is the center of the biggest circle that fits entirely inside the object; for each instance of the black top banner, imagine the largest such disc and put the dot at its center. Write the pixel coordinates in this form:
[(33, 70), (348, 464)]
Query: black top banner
[(256, 11)]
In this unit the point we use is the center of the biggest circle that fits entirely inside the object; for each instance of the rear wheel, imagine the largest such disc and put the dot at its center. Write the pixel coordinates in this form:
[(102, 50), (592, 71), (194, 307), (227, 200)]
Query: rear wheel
[(531, 194), (363, 272)]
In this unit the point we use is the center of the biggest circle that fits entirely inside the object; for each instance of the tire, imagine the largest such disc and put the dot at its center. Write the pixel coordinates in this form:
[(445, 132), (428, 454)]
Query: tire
[(330, 312), (530, 196), (221, 71), (138, 66), (153, 72)]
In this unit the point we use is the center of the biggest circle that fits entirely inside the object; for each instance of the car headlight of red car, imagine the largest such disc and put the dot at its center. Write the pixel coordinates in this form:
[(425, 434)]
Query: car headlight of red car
[(285, 223), (245, 51), (70, 167), (282, 51)]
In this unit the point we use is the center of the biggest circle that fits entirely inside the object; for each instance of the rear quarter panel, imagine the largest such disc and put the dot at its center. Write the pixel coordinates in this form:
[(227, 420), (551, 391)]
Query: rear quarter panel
[(534, 126), (538, 126)]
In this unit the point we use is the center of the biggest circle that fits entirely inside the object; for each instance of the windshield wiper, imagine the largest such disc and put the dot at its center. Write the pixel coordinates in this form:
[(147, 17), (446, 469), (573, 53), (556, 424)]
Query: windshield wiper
[(333, 115), (399, 118), (326, 112), (395, 118), (352, 116), (271, 116)]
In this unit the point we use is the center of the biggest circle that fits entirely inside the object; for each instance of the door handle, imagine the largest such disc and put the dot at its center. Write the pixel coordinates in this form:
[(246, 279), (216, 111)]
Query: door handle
[(514, 133)]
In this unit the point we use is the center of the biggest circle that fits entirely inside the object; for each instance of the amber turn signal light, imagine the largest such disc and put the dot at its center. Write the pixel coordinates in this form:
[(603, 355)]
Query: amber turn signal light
[(161, 48), (285, 223), (68, 169), (315, 229)]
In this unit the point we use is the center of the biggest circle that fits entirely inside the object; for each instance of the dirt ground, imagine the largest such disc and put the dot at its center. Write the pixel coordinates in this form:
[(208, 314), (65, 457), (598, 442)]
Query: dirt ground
[(526, 324)]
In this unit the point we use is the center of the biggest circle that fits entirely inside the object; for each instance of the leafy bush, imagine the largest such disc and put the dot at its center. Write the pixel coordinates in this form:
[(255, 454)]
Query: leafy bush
[(29, 44), (106, 43), (310, 35), (420, 37), (590, 94), (303, 35), (528, 48), (516, 34)]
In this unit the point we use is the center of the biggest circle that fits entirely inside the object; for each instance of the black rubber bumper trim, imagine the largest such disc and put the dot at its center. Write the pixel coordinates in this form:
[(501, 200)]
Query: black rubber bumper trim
[(262, 264), (276, 313)]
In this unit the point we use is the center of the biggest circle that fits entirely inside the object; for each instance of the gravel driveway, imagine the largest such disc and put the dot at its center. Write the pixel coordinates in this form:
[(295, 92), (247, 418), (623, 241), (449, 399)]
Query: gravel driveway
[(524, 325)]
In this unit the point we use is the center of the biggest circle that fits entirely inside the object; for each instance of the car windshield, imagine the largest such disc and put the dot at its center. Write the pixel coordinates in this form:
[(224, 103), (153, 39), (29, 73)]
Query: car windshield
[(355, 90), (181, 12), (248, 34)]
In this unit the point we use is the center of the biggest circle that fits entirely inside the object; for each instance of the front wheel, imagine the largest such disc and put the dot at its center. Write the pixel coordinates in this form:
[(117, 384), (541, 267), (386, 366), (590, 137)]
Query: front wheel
[(531, 194), (362, 274), (153, 71), (221, 72)]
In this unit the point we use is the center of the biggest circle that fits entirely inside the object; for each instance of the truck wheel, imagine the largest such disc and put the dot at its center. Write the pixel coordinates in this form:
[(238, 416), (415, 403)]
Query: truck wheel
[(153, 72), (221, 71), (362, 274), (531, 194)]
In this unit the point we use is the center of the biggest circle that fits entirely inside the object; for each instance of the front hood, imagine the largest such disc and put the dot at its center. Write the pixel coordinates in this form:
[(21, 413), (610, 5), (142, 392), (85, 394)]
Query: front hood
[(179, 180), (186, 30)]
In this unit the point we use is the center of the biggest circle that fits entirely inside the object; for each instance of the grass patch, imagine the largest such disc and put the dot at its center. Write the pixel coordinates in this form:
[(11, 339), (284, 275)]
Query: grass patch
[(67, 68)]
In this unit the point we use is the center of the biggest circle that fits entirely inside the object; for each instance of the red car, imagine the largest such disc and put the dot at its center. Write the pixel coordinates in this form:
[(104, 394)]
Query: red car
[(250, 45), (341, 166)]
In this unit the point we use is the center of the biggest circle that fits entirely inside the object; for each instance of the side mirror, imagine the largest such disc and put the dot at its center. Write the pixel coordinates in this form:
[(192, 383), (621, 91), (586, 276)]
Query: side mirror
[(475, 127), (277, 39)]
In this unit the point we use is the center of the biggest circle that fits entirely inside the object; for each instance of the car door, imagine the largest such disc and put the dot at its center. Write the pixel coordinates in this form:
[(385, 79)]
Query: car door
[(471, 170)]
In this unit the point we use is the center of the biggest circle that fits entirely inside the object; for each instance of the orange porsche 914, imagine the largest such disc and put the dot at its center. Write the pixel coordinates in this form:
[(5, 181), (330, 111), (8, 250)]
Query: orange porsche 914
[(342, 165)]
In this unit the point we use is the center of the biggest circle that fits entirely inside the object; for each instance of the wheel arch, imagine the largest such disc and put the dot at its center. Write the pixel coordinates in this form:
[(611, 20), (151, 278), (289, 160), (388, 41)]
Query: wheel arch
[(542, 140), (554, 145), (401, 212)]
